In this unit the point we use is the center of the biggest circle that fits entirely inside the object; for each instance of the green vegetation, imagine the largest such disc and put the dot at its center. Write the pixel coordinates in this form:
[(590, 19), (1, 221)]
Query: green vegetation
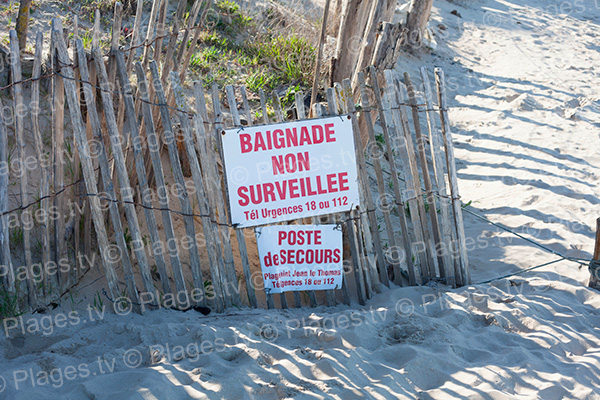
[(9, 307), (237, 51)]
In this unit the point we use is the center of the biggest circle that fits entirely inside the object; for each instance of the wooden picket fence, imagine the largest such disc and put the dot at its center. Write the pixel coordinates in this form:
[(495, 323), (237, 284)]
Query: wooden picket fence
[(118, 128)]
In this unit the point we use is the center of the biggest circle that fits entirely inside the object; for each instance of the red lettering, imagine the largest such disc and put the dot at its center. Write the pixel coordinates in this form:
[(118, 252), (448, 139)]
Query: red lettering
[(269, 189), (282, 235), (331, 183), (317, 133), (281, 188), (329, 132), (244, 200), (255, 194), (290, 163), (309, 190), (336, 256), (245, 143), (277, 162), (304, 136), (320, 188), (344, 181), (259, 142), (327, 258), (303, 161), (291, 137), (278, 139), (293, 188), (317, 237)]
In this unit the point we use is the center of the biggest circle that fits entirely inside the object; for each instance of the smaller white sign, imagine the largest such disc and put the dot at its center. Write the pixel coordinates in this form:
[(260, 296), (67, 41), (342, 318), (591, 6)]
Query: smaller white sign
[(300, 257)]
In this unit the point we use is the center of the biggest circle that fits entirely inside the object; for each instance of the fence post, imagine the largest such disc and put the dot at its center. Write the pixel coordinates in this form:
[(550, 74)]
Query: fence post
[(86, 166), (159, 176), (332, 106), (385, 206), (211, 247), (387, 128), (58, 147), (265, 115), (368, 224), (5, 258), (595, 263), (140, 167), (464, 274), (437, 149), (184, 200), (430, 185), (39, 145), (19, 107), (100, 150), (121, 170)]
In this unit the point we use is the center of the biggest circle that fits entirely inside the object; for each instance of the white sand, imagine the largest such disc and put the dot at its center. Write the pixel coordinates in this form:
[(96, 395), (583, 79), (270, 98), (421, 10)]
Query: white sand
[(525, 117)]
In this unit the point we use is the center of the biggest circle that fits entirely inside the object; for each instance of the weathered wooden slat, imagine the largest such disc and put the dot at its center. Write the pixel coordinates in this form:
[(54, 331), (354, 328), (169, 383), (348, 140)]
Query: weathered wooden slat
[(263, 106), (247, 272), (431, 187), (76, 271), (150, 32), (124, 184), (5, 257), (265, 115), (100, 150), (58, 160), (437, 151), (356, 250), (277, 106), (356, 256), (211, 247), (280, 118), (186, 34), (301, 114), (184, 61), (411, 177), (387, 128), (239, 232), (159, 176), (334, 110), (385, 205), (114, 39), (87, 223), (141, 172), (96, 29), (214, 150), (135, 37), (40, 154), (160, 31), (368, 218), (168, 62), (26, 218), (372, 237), (184, 200), (322, 40), (451, 166), (213, 192), (86, 165), (329, 294), (402, 95)]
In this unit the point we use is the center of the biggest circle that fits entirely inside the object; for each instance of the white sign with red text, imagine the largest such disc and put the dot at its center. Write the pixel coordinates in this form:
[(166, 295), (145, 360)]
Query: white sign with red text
[(287, 171), (300, 257)]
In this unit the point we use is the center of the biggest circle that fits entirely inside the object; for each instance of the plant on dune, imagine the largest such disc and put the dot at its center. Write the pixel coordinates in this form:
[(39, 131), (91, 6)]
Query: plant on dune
[(9, 305)]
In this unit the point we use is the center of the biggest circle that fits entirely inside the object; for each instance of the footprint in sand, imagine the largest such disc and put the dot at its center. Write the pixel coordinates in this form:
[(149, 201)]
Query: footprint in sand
[(403, 333)]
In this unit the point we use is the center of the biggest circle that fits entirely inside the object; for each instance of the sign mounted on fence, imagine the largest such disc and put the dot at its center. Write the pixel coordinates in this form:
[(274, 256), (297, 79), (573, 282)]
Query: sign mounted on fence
[(300, 257), (293, 170)]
